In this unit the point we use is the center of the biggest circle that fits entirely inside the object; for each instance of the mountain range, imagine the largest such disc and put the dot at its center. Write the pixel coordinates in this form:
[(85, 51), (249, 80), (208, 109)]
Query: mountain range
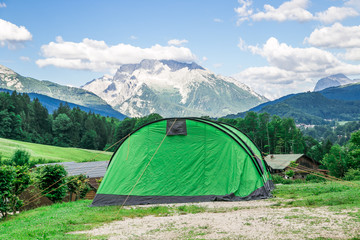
[(332, 81), (339, 103), (51, 94), (172, 88)]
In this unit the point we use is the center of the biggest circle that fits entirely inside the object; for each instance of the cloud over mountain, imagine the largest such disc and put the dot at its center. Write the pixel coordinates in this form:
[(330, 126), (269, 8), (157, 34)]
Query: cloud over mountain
[(291, 69), (96, 55)]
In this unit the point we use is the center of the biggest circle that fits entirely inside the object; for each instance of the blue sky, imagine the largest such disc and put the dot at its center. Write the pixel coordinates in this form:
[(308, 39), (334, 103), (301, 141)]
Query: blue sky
[(275, 47)]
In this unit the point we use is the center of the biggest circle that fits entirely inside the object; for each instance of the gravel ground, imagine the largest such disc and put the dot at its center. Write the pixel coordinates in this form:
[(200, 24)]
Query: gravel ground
[(259, 219)]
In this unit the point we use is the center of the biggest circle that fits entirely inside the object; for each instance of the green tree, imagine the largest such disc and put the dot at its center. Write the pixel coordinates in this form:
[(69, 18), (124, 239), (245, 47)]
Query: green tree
[(336, 161), (355, 150), (13, 181), (51, 179), (89, 140), (62, 126), (7, 176)]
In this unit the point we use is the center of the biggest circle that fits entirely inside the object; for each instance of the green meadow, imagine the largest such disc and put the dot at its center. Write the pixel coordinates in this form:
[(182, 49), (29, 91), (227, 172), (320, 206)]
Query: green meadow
[(51, 153), (55, 221)]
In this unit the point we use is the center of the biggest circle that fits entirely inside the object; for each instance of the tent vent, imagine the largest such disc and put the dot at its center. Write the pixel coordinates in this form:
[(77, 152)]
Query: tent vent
[(179, 127)]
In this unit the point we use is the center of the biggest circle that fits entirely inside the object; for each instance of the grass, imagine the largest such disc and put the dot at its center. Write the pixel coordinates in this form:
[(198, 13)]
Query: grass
[(52, 153), (53, 222), (344, 194)]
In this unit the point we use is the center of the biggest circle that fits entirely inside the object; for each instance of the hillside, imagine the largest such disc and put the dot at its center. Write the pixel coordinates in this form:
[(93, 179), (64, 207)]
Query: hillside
[(172, 88), (52, 153), (341, 103), (52, 104), (11, 80), (349, 92)]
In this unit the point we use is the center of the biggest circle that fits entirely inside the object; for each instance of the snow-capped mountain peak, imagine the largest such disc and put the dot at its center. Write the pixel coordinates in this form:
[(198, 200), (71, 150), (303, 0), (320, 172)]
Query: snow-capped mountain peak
[(184, 88), (9, 77), (332, 81)]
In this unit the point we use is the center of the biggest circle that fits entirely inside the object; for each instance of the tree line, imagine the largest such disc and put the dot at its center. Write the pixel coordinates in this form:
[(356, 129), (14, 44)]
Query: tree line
[(27, 120)]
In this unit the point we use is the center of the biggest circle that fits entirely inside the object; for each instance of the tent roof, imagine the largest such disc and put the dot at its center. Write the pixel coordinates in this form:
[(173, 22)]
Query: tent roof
[(281, 161), (90, 169)]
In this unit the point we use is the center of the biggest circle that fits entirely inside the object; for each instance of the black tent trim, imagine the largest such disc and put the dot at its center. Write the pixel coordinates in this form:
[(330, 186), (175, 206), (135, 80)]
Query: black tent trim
[(113, 200)]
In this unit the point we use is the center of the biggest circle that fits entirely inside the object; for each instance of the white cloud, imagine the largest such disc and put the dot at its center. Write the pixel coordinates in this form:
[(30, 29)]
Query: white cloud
[(204, 58), (2, 5), (133, 37), (242, 45), (288, 58), (291, 69), (273, 82), (217, 65), (244, 11), (352, 54), (218, 20), (291, 10), (336, 36), (98, 56), (353, 3), (177, 42), (26, 59), (333, 14), (294, 10), (12, 35), (59, 39)]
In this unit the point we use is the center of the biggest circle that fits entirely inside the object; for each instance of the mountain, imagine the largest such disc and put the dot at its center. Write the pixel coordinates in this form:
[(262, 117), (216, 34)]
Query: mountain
[(51, 94), (52, 104), (332, 81), (341, 103), (172, 88), (349, 92)]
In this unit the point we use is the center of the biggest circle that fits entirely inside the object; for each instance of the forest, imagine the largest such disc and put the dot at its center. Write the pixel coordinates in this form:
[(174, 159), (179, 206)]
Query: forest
[(27, 120)]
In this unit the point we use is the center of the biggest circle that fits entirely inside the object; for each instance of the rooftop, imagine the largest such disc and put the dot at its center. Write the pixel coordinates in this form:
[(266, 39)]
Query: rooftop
[(90, 169), (281, 161)]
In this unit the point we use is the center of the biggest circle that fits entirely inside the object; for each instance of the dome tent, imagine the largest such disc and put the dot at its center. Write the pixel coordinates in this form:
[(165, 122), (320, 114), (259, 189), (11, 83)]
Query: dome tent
[(180, 160)]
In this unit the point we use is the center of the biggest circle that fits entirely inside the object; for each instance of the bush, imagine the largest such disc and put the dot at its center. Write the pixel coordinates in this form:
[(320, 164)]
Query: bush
[(51, 179), (20, 158), (290, 173), (13, 181), (277, 179), (314, 178), (352, 175), (78, 185), (32, 163)]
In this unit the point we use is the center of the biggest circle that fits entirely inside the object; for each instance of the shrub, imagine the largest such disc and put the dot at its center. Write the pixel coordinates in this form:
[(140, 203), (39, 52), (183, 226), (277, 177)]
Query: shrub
[(290, 173), (20, 158), (277, 179), (51, 179), (7, 176), (352, 175), (32, 163), (78, 185), (314, 178), (13, 181)]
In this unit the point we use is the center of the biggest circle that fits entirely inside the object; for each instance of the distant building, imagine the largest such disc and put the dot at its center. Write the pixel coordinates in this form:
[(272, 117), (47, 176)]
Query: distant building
[(279, 163)]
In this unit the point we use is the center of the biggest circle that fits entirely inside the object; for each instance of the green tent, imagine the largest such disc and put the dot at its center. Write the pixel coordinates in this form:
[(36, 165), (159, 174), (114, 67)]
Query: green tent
[(184, 160)]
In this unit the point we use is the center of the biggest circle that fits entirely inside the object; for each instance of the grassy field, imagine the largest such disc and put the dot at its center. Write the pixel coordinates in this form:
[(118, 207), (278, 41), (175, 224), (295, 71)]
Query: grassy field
[(58, 154), (53, 222)]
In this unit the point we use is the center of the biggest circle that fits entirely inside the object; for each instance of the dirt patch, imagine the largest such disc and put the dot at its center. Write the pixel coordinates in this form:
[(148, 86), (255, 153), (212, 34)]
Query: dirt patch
[(234, 220)]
